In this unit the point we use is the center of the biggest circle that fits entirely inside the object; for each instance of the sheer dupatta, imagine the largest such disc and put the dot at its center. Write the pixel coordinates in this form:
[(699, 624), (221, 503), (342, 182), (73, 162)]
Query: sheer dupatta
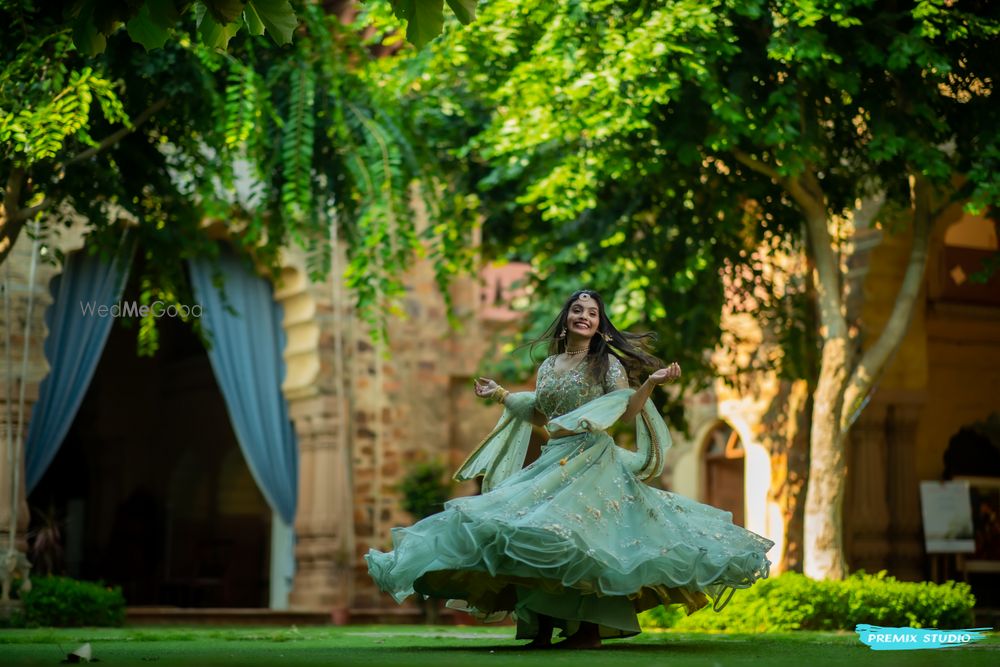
[(502, 452)]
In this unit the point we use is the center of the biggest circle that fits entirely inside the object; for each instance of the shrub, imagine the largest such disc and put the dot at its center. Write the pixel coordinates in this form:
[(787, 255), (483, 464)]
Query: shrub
[(796, 602), (65, 602), (662, 617), (425, 489)]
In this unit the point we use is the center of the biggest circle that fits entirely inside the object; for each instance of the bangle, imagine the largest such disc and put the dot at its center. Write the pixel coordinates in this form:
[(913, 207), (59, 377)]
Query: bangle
[(500, 394)]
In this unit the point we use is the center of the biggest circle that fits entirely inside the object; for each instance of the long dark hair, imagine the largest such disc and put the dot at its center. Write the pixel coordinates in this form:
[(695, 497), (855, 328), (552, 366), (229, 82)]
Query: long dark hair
[(630, 348)]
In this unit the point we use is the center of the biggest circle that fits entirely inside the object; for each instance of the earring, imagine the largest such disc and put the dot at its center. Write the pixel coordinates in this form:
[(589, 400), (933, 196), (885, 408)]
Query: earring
[(606, 336), (562, 334)]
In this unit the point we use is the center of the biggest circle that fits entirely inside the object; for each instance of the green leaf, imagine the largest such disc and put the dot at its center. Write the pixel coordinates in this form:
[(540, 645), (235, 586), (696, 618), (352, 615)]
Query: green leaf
[(254, 25), (212, 33), (465, 10), (144, 30), (278, 17), (86, 37), (162, 12), (424, 19), (224, 11)]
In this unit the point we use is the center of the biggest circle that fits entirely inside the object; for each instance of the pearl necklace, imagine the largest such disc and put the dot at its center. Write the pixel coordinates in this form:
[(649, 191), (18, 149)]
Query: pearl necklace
[(576, 352)]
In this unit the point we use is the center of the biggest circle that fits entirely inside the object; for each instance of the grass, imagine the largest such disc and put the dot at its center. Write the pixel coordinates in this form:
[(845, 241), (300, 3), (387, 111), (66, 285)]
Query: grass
[(451, 646)]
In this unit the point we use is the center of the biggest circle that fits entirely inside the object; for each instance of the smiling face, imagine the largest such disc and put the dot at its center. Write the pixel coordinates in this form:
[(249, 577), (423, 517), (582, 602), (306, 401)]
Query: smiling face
[(583, 318)]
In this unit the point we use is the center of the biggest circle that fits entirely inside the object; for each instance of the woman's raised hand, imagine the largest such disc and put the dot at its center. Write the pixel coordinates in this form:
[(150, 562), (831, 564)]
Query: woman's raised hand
[(668, 374), (485, 387)]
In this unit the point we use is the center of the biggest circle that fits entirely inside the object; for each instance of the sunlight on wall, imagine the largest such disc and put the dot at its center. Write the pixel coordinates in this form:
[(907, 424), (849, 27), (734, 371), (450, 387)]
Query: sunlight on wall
[(972, 231)]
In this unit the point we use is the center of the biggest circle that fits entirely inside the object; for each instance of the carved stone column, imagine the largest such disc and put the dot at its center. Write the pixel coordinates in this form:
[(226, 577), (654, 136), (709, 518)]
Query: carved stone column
[(6, 492), (314, 386), (906, 549), (18, 286), (866, 519), (324, 527)]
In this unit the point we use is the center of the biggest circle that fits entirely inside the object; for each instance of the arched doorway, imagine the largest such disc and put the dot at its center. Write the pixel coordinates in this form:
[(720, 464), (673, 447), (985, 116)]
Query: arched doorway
[(150, 488), (723, 481)]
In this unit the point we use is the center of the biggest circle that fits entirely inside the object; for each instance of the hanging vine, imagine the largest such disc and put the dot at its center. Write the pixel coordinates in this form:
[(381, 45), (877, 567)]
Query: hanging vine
[(276, 142)]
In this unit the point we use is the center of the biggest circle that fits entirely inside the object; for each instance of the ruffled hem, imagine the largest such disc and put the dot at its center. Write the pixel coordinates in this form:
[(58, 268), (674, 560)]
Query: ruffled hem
[(457, 542), (575, 536)]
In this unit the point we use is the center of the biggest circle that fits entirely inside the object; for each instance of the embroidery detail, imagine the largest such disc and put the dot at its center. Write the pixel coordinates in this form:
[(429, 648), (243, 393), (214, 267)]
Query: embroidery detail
[(558, 393)]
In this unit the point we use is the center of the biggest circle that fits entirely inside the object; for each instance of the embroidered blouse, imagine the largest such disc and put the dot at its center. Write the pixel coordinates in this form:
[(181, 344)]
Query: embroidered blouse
[(557, 393)]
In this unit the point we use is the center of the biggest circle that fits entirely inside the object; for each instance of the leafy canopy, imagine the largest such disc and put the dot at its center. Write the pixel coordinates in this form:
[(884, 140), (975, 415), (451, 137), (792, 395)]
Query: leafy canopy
[(282, 146), (152, 22), (641, 148)]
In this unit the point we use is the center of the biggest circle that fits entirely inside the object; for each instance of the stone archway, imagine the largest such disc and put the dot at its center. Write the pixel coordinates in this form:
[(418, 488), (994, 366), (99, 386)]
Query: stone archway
[(724, 471), (692, 470), (168, 508), (317, 405)]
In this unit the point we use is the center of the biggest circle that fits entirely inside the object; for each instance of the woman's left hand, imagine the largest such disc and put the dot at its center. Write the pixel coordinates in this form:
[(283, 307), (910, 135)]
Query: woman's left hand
[(668, 374), (485, 387)]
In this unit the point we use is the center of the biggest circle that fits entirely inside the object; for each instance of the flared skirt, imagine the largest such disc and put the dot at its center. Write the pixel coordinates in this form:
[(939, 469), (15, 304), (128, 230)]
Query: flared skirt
[(574, 536)]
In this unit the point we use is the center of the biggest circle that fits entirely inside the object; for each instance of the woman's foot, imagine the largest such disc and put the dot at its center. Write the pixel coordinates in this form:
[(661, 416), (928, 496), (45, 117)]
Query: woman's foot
[(544, 637), (588, 636)]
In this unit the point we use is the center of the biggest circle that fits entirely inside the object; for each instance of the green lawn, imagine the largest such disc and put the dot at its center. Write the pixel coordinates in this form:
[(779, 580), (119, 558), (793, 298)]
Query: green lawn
[(446, 646)]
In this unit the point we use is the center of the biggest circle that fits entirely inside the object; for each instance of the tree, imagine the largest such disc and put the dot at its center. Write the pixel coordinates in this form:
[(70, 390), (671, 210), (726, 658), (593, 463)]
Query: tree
[(283, 142), (659, 141), (153, 22)]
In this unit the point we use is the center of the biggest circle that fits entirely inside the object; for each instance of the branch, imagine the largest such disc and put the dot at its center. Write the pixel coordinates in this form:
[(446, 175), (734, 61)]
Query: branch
[(875, 358), (32, 211), (811, 199), (12, 218), (115, 137), (807, 192), (12, 192), (758, 166), (804, 189)]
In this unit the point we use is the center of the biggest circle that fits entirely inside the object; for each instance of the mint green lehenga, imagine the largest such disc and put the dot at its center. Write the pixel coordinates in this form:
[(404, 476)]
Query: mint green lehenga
[(576, 535)]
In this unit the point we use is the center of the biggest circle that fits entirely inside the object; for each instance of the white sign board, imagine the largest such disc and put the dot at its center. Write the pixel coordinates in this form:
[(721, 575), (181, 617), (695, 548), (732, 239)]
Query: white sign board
[(947, 512)]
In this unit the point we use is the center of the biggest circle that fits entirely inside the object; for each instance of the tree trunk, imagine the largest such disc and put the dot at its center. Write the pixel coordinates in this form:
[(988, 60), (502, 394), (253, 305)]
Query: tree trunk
[(824, 539), (788, 445), (12, 217), (844, 382)]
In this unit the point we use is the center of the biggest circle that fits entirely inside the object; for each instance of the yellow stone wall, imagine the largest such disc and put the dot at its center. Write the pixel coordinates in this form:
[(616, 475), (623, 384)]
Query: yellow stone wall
[(949, 361)]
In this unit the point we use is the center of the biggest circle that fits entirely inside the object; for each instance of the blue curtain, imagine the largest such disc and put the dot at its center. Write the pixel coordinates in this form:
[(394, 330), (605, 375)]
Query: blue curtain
[(247, 341), (77, 334)]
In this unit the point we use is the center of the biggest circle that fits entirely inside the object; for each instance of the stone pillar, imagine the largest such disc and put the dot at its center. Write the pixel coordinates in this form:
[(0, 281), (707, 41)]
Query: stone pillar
[(324, 527), (18, 285), (6, 490), (867, 513), (906, 549), (314, 385)]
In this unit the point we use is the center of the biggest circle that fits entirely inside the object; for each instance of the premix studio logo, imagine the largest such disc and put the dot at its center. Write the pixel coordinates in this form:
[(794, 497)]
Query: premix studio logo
[(910, 639)]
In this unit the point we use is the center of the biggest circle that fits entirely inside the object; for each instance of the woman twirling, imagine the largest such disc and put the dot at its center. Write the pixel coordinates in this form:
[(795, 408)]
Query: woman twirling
[(575, 540)]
